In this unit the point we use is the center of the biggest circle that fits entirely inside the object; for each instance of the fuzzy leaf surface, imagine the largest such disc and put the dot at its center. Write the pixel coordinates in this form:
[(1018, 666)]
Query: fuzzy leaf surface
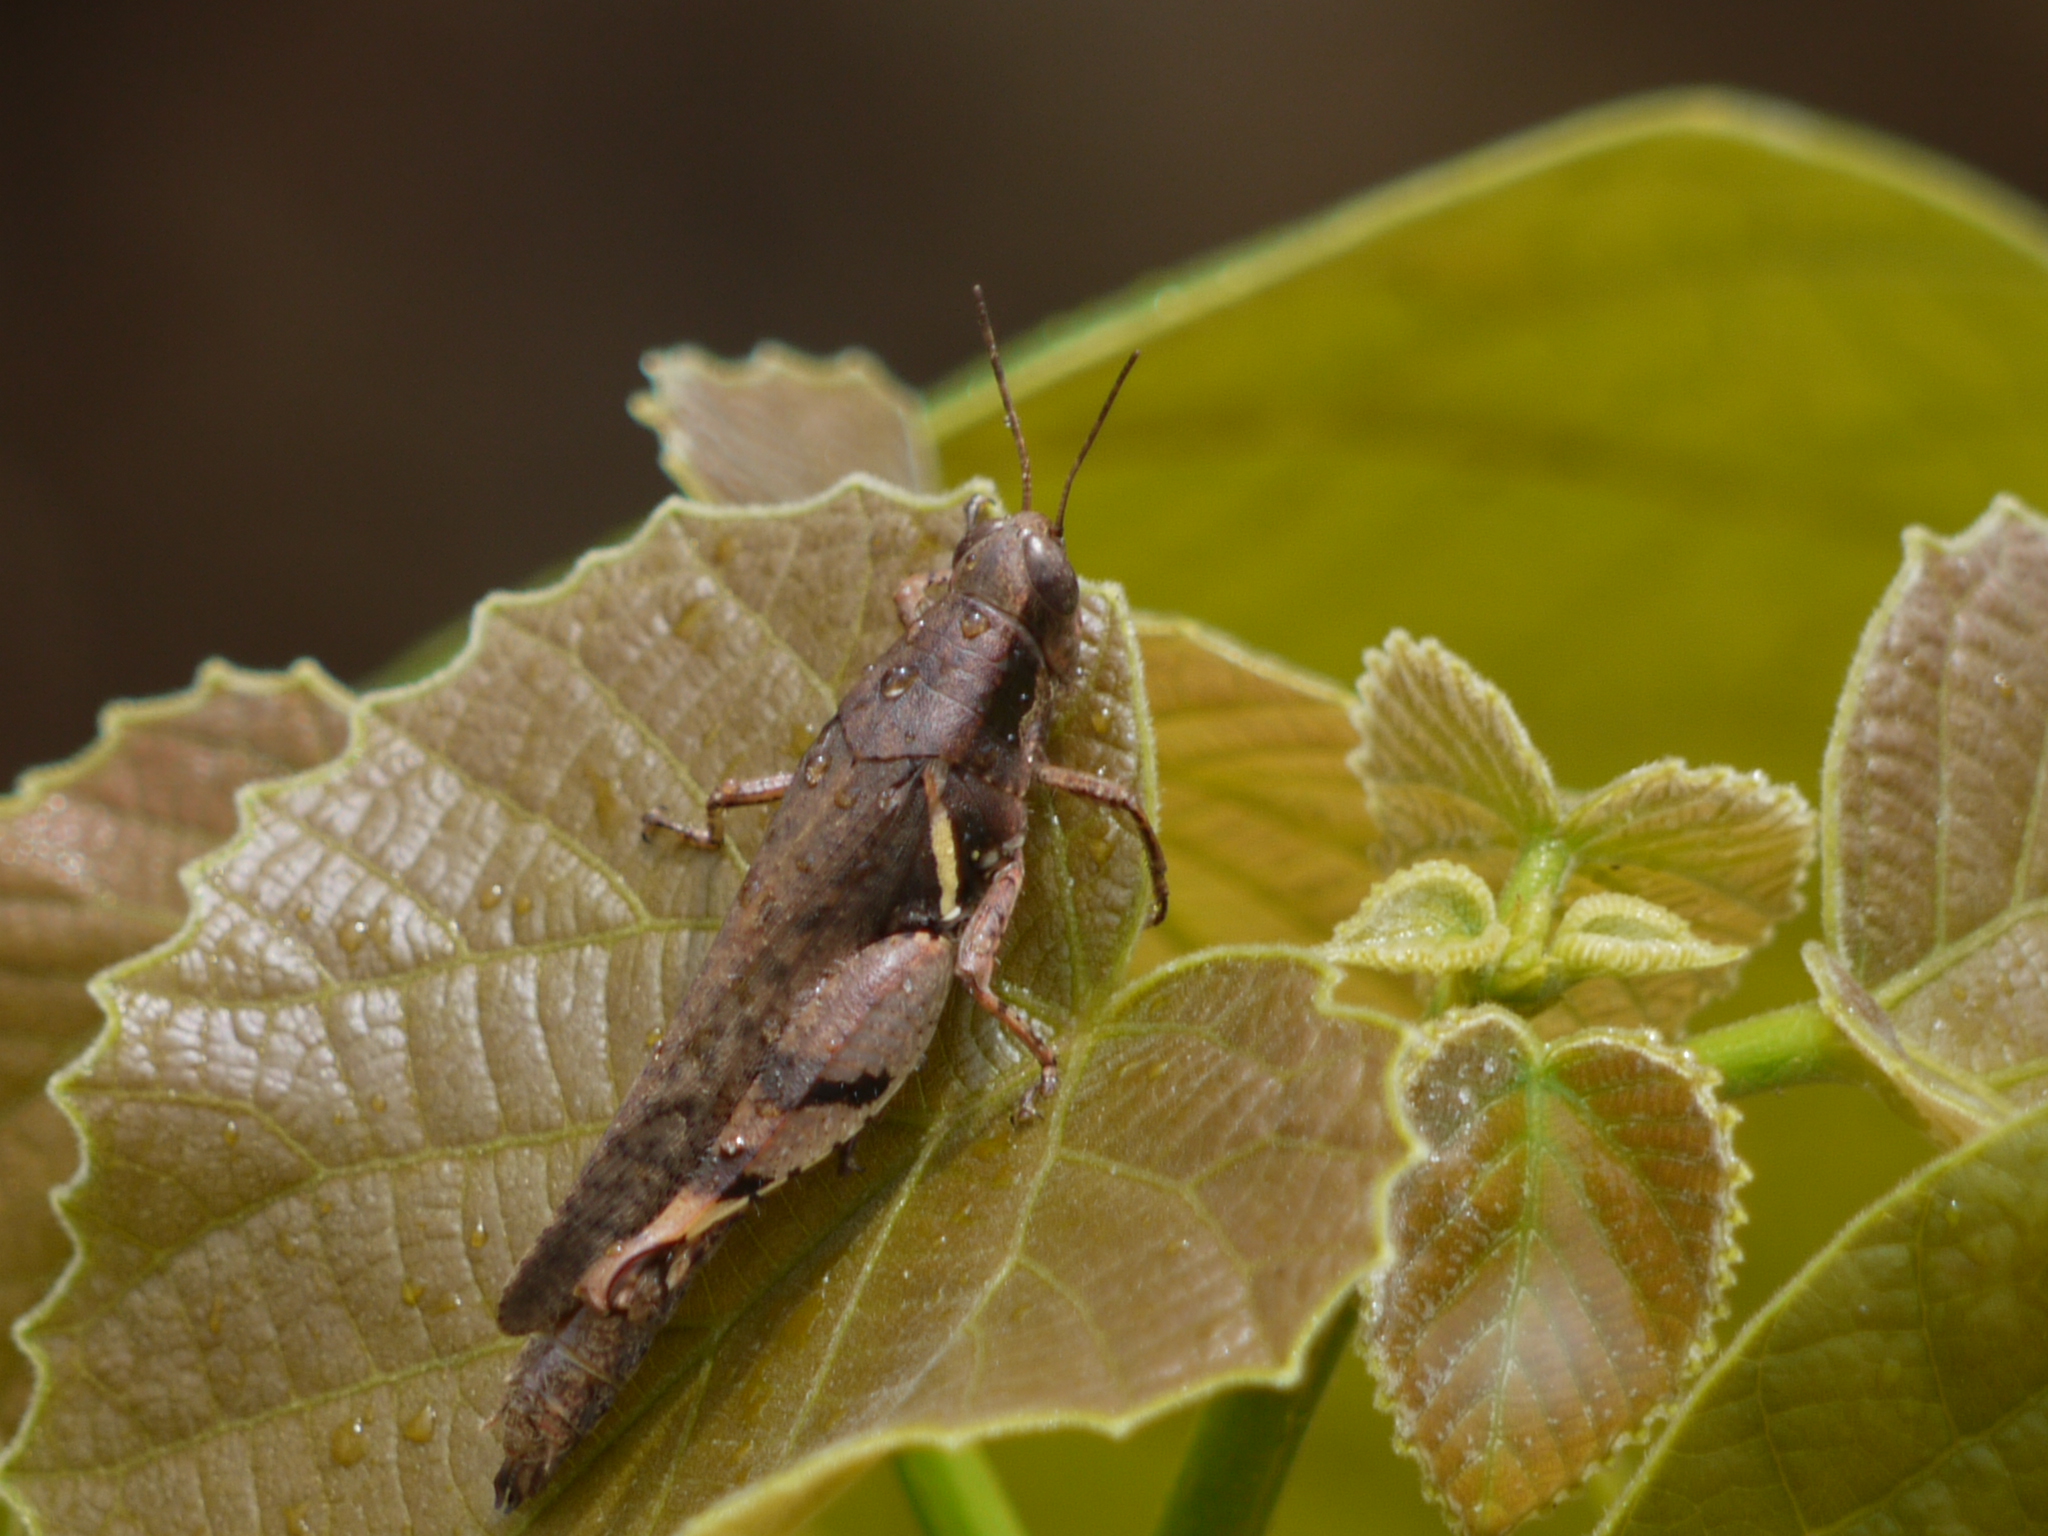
[(1900, 1383), (1935, 869), (1560, 1255), (329, 1118), (89, 857)]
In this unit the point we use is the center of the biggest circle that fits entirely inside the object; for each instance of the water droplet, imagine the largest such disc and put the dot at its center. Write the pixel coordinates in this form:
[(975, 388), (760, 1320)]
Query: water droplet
[(723, 551), (419, 1429), (350, 1442), (654, 1036), (377, 1104), (816, 768), (350, 936), (411, 1292), (304, 914), (732, 1145), (298, 1520), (974, 625), (479, 1234), (216, 1314), (231, 1133), (324, 1207), (522, 905), (447, 1302), (287, 1245), (491, 897), (844, 797), (897, 680), (800, 738), (341, 1117), (1103, 721)]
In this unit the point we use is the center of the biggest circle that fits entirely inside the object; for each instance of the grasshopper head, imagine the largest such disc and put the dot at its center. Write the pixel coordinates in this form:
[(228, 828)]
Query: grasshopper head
[(1019, 566)]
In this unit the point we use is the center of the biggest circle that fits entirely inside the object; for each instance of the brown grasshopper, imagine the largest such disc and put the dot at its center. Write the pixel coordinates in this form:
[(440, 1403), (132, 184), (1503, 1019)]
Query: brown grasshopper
[(892, 867)]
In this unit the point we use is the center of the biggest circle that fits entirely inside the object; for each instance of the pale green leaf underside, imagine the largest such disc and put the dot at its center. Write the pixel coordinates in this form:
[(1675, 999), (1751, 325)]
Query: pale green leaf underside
[(1900, 1384), (331, 1115)]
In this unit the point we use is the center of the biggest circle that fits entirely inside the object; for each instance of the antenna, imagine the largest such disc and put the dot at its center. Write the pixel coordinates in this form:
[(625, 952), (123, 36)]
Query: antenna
[(1059, 524), (995, 361)]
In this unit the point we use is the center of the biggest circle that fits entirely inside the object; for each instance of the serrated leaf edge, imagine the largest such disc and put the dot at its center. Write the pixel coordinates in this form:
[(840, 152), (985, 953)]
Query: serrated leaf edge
[(1727, 1250)]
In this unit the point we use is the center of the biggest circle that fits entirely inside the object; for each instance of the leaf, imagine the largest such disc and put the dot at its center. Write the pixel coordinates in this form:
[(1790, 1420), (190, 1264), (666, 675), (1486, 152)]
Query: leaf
[(1627, 936), (89, 857), (331, 1115), (1900, 1383), (779, 426), (1265, 830), (1435, 918), (1627, 410), (1560, 1254), (1447, 764), (1934, 874)]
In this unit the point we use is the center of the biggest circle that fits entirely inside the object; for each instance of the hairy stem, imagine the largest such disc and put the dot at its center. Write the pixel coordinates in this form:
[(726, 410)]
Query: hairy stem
[(957, 1493), (1237, 1465), (1799, 1044)]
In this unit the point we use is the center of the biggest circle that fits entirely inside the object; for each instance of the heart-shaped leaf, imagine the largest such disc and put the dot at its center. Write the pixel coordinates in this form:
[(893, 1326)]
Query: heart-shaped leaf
[(1434, 918), (1560, 1255), (1934, 873), (89, 857), (329, 1117), (1900, 1383)]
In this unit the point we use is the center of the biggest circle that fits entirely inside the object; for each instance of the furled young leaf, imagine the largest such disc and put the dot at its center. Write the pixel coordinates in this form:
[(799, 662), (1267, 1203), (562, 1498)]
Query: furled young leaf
[(780, 426), (1559, 1256), (89, 857), (1628, 936), (335, 1111), (1434, 918), (1900, 1383), (1935, 870)]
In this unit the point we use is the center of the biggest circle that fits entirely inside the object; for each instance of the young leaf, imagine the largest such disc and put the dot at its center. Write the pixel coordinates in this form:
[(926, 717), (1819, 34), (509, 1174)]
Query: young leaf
[(1435, 918), (1447, 764), (1900, 1383), (778, 426), (328, 1119), (1934, 886), (1560, 1254), (1627, 936), (89, 857)]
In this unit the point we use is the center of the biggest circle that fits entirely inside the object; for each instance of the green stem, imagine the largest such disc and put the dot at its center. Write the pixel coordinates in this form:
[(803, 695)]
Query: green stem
[(1799, 1044), (1237, 1465), (957, 1493)]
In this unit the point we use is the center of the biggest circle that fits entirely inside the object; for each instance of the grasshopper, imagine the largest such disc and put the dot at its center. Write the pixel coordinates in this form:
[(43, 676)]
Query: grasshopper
[(892, 868)]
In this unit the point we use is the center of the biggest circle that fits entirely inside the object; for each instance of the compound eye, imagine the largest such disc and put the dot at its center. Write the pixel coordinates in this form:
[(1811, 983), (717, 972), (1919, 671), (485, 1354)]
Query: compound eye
[(1052, 574)]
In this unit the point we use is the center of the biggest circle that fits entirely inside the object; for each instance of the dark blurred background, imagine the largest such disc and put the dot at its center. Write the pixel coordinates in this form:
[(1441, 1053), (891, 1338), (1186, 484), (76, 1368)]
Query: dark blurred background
[(316, 322)]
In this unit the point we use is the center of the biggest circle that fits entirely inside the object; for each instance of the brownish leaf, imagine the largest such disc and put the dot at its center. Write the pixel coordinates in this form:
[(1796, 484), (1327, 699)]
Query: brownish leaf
[(779, 426), (89, 857), (337, 1108), (1935, 872), (1559, 1256)]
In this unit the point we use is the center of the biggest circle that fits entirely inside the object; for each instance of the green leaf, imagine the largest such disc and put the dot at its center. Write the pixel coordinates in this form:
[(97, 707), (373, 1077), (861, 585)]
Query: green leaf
[(1899, 1384), (1628, 936), (1435, 918), (1560, 1254), (328, 1118), (1935, 885), (89, 857)]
